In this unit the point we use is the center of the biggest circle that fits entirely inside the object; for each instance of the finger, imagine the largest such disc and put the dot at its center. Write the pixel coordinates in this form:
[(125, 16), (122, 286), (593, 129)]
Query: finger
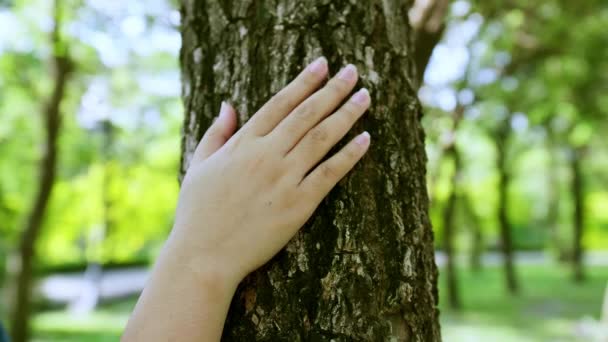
[(325, 176), (319, 140), (314, 109), (216, 136), (281, 104)]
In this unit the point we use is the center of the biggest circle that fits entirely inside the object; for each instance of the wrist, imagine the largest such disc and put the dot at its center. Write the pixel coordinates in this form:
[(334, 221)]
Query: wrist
[(208, 269)]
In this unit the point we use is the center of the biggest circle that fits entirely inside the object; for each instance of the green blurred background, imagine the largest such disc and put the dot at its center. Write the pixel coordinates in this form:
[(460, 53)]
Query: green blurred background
[(516, 104)]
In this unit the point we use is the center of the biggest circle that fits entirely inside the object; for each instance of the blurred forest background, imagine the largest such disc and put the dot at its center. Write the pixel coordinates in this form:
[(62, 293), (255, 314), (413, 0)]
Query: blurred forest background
[(515, 107)]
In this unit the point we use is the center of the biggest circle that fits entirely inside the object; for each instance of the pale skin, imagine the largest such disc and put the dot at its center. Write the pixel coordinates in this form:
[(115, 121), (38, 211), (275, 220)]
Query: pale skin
[(244, 196)]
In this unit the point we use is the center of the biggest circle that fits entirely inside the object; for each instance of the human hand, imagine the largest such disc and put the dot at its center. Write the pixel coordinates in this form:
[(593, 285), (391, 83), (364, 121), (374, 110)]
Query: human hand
[(247, 193)]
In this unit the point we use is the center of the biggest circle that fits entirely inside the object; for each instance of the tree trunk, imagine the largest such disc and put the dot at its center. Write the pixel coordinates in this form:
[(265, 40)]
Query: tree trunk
[(451, 152), (428, 19), (363, 267), (578, 216), (31, 231), (503, 207), (476, 234), (553, 185), (448, 235)]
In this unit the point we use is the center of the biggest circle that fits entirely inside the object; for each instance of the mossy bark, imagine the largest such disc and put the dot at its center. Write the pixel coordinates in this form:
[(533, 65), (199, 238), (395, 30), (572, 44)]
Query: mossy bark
[(362, 268)]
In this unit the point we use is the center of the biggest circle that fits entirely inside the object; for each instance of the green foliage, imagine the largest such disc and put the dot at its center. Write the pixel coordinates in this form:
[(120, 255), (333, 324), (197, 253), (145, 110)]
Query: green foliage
[(113, 200), (540, 72)]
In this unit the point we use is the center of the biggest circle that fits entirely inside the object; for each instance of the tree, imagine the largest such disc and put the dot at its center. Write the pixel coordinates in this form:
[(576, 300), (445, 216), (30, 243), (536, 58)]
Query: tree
[(502, 138), (560, 52), (33, 224), (363, 267), (428, 19), (577, 188), (449, 211)]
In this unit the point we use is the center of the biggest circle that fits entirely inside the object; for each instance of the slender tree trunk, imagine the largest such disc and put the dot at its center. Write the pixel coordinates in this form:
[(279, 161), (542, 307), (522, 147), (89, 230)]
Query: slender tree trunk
[(449, 232), (604, 314), (96, 244), (428, 19), (578, 196), (452, 152), (31, 231), (476, 234), (363, 267), (503, 207), (554, 193)]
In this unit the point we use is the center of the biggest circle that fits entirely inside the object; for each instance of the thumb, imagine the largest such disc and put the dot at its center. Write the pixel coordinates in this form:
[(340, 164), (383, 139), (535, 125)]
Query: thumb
[(216, 136)]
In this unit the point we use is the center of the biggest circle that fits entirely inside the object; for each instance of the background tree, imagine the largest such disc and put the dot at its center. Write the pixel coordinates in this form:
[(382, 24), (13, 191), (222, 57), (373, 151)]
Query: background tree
[(545, 47), (365, 260), (449, 217), (51, 114)]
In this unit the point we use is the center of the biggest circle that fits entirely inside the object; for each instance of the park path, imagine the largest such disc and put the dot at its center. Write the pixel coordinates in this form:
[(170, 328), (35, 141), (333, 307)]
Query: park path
[(82, 291)]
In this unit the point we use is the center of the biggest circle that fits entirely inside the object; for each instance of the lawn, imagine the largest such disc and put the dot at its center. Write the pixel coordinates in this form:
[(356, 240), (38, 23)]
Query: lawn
[(549, 309)]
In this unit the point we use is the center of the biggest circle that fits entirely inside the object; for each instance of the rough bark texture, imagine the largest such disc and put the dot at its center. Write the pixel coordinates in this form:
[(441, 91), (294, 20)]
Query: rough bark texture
[(503, 206), (52, 122), (449, 212), (362, 268), (578, 214)]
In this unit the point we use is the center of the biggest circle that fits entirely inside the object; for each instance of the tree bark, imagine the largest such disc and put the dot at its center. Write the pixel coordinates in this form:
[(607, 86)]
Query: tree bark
[(33, 224), (363, 267), (503, 206), (578, 198)]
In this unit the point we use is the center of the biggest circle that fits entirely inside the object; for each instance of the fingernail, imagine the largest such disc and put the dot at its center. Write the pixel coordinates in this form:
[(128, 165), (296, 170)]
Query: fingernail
[(361, 97), (223, 110), (348, 73), (319, 66), (363, 139)]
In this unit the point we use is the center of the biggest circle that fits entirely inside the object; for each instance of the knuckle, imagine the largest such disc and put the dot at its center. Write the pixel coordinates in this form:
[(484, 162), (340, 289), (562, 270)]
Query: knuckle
[(214, 132), (351, 153), (336, 86), (234, 142), (305, 111), (309, 80), (281, 101), (329, 171), (319, 135), (350, 110)]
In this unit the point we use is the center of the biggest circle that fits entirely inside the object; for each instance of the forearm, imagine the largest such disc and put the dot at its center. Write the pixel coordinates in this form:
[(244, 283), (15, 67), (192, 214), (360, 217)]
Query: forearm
[(186, 297)]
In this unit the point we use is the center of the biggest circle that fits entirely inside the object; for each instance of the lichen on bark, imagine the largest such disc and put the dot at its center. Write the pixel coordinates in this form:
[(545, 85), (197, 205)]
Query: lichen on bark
[(362, 268)]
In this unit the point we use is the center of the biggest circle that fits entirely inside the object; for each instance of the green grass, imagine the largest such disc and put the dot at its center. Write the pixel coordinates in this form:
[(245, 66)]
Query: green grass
[(548, 309), (104, 324)]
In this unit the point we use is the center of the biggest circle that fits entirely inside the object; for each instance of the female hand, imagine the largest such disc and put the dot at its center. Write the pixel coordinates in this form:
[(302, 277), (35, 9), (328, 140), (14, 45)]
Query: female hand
[(246, 194)]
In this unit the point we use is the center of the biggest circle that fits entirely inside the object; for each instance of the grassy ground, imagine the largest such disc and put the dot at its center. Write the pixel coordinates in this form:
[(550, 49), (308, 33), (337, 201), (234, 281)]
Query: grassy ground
[(104, 324), (548, 309)]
